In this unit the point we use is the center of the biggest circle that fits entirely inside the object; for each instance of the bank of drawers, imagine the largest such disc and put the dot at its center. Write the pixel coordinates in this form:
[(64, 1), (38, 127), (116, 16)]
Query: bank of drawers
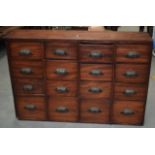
[(69, 81)]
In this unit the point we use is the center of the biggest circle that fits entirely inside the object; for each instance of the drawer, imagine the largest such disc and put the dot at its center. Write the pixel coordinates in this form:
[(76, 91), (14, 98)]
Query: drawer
[(28, 86), (128, 112), (26, 50), (63, 109), (130, 91), (96, 53), (61, 70), (61, 88), (133, 53), (31, 69), (31, 108), (61, 50), (95, 89), (94, 111), (98, 72), (132, 73)]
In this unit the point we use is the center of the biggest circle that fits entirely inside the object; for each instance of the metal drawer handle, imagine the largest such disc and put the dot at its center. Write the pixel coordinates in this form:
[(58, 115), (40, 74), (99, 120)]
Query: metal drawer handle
[(133, 54), (95, 72), (61, 71), (25, 52), (62, 109), (26, 70), (131, 74), (60, 52), (96, 54), (95, 90), (28, 87), (128, 112), (129, 92), (30, 107), (94, 110), (62, 89)]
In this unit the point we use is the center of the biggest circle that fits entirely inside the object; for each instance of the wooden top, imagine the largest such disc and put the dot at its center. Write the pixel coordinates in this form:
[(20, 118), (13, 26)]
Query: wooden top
[(108, 36)]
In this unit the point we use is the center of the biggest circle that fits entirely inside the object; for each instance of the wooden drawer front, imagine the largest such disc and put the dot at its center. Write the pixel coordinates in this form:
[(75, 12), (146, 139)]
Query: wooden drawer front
[(28, 86), (128, 112), (133, 53), (132, 73), (94, 111), (60, 70), (96, 53), (63, 109), (61, 50), (27, 69), (130, 91), (31, 108), (99, 72), (95, 89), (27, 50), (61, 88)]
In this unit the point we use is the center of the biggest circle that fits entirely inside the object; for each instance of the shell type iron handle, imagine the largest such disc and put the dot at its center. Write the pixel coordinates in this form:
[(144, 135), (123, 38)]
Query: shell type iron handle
[(60, 52), (133, 54), (62, 109), (95, 90), (62, 89), (127, 112), (95, 72), (28, 87), (96, 54), (129, 92), (94, 110), (25, 52), (131, 74), (61, 71), (30, 107), (26, 70)]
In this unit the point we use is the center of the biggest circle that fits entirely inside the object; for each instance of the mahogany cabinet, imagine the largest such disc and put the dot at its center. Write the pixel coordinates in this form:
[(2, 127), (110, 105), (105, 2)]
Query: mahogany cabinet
[(79, 76)]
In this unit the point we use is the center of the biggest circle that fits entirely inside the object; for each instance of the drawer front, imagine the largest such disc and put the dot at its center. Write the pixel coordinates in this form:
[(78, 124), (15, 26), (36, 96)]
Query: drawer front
[(63, 109), (128, 112), (61, 50), (96, 53), (27, 69), (130, 91), (60, 70), (132, 73), (28, 86), (61, 88), (99, 72), (26, 50), (133, 53), (95, 89), (94, 111), (31, 108)]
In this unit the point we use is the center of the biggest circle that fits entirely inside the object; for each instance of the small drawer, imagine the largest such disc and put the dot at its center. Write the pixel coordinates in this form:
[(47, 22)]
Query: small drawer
[(61, 50), (128, 112), (94, 111), (61, 70), (63, 109), (61, 88), (29, 69), (96, 53), (26, 50), (133, 53), (130, 91), (28, 86), (132, 73), (31, 108), (95, 89), (98, 72)]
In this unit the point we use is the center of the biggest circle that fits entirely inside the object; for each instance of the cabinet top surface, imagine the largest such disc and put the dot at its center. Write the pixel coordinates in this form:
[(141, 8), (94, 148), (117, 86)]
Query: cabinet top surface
[(79, 35)]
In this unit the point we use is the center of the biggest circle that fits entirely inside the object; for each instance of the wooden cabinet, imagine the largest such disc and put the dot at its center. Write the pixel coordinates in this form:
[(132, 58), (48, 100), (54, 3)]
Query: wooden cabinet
[(79, 76)]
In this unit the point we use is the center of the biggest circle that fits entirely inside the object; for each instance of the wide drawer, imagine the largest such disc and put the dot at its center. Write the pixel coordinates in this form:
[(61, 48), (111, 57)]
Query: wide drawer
[(61, 70), (128, 112), (63, 109), (132, 73), (26, 50), (95, 89), (94, 111), (98, 72), (96, 53), (28, 86), (133, 53), (61, 88), (61, 50), (130, 91), (29, 69), (31, 108)]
